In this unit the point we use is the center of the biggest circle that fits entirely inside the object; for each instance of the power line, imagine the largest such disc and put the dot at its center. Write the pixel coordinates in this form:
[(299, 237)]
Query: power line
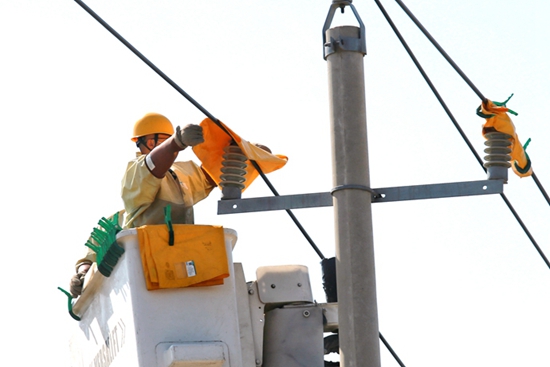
[(440, 49), (542, 190), (443, 104), (390, 349), (461, 73)]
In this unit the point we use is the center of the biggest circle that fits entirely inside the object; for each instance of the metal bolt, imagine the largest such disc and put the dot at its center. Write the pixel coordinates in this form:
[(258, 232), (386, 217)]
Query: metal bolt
[(251, 291), (299, 284), (273, 286), (306, 313)]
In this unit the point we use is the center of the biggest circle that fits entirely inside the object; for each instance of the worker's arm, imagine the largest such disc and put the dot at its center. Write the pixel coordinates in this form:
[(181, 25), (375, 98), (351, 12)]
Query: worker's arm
[(162, 157)]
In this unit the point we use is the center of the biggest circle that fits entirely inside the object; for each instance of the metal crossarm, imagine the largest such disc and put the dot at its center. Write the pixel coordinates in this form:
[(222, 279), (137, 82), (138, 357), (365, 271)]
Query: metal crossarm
[(382, 195)]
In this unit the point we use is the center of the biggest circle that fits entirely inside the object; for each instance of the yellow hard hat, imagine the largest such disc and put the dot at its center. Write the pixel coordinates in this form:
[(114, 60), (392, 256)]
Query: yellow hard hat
[(152, 123)]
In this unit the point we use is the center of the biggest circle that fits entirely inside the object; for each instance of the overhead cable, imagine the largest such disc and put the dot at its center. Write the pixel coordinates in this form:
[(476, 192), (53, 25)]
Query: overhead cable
[(542, 190), (440, 49), (461, 73), (455, 123), (390, 349)]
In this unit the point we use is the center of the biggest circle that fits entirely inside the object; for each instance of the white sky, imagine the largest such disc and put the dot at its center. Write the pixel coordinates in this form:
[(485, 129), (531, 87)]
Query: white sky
[(458, 281)]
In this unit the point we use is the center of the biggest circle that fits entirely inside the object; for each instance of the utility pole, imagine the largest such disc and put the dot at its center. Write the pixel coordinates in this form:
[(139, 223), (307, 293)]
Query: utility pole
[(345, 48)]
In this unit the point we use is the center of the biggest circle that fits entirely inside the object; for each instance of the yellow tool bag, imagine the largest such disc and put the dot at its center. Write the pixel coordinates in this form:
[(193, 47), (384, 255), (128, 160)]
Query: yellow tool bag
[(197, 256), (211, 153), (497, 119)]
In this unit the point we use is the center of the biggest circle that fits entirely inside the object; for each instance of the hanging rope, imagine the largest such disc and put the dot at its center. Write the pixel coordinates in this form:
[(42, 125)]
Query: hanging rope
[(197, 105), (455, 123)]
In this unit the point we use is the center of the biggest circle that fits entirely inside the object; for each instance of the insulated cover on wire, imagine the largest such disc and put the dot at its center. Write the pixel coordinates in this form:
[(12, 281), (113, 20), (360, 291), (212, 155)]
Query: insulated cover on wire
[(497, 119), (211, 153)]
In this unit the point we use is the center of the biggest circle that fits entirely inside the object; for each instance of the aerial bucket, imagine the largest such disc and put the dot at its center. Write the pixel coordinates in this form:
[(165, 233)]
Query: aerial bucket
[(124, 324)]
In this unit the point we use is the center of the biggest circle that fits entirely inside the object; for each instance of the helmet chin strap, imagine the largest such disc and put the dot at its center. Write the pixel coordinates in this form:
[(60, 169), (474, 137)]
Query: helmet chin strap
[(142, 141)]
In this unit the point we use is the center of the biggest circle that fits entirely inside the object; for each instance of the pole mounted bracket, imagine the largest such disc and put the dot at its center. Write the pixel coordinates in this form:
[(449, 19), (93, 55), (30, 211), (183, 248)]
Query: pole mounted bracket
[(358, 44), (379, 195)]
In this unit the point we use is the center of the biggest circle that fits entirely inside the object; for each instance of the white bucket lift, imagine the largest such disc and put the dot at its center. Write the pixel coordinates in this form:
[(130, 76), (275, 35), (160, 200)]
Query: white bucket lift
[(271, 322)]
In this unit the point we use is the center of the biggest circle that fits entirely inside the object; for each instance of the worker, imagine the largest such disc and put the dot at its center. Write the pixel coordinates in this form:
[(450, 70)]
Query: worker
[(154, 180)]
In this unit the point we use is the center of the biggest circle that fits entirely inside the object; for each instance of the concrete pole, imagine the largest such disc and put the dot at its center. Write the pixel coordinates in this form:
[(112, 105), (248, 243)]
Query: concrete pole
[(357, 306)]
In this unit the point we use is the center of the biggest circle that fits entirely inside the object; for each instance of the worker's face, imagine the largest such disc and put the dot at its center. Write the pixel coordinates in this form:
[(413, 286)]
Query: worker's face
[(151, 143)]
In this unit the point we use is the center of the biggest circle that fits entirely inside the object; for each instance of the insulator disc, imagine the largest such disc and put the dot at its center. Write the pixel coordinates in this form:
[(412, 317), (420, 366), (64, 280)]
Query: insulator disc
[(497, 158), (234, 167), (497, 143), (498, 149), (499, 164)]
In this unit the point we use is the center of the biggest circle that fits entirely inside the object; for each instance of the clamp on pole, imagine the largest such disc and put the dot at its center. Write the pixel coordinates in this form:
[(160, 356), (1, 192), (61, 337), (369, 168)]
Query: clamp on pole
[(375, 195), (344, 43)]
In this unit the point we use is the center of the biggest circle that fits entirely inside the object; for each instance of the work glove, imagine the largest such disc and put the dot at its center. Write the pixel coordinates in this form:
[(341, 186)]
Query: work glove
[(77, 281), (189, 136)]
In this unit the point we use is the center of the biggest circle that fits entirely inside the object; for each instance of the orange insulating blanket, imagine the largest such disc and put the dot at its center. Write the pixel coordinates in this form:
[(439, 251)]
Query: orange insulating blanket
[(497, 119), (211, 153), (197, 258)]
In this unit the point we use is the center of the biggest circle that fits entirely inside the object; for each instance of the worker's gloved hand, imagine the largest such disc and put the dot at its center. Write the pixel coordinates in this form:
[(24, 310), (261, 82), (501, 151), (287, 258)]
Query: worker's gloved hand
[(77, 280), (189, 136)]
